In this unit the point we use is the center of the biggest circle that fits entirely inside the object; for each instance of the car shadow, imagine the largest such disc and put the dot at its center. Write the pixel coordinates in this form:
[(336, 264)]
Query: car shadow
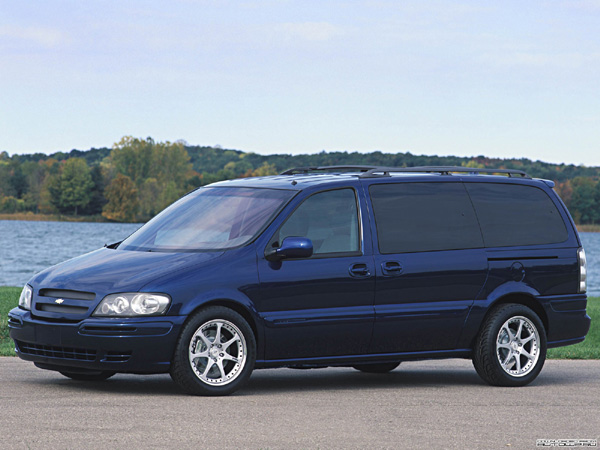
[(274, 381), (293, 380), (349, 379)]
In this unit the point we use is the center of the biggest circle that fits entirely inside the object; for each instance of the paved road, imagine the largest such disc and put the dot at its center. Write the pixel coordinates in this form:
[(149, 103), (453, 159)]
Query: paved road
[(429, 404)]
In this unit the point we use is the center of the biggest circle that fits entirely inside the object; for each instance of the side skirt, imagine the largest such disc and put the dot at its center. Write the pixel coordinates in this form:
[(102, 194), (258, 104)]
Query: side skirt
[(362, 359)]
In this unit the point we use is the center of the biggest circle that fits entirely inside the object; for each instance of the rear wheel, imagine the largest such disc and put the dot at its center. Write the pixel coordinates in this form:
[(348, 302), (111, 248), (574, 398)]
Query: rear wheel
[(215, 353), (377, 368), (511, 346), (91, 376)]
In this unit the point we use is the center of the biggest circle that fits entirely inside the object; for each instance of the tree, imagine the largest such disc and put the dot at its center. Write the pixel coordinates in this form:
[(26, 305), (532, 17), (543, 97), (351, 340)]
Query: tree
[(141, 159), (148, 194), (159, 170), (133, 157), (597, 202), (97, 198), (122, 198), (565, 191), (583, 203), (18, 181), (264, 170), (71, 189), (473, 164)]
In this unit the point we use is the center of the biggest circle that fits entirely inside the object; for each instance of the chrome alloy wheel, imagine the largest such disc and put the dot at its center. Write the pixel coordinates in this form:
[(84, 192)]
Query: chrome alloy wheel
[(217, 352), (517, 346)]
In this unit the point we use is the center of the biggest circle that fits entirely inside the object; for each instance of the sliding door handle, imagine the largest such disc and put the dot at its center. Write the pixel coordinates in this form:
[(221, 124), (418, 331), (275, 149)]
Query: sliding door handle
[(391, 268)]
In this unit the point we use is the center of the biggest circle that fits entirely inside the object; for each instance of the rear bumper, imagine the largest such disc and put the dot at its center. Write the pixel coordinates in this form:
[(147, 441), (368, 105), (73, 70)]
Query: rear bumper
[(568, 322), (135, 345)]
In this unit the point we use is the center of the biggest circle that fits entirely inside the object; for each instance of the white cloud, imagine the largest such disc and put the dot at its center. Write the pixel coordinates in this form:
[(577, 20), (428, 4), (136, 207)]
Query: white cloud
[(309, 31), (45, 37), (533, 59), (584, 5)]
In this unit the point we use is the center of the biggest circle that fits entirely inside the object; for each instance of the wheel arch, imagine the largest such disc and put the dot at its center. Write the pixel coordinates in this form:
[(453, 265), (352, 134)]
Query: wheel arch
[(238, 307), (521, 299), (480, 312)]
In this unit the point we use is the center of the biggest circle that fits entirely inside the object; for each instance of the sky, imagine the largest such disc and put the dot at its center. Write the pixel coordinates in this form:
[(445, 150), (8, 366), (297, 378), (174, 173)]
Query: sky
[(508, 79)]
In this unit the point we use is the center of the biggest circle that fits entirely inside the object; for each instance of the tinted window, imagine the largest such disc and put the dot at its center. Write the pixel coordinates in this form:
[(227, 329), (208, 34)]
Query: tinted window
[(512, 214), (417, 217), (209, 218), (329, 219)]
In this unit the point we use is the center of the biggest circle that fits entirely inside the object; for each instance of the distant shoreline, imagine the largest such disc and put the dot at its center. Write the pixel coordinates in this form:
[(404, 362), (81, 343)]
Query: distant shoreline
[(32, 217), (590, 228)]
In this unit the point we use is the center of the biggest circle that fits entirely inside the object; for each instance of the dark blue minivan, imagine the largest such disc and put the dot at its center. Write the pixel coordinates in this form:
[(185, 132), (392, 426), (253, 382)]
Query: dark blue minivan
[(352, 266)]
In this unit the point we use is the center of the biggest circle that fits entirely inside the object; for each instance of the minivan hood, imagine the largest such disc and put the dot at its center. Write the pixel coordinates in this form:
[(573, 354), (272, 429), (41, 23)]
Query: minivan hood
[(110, 271)]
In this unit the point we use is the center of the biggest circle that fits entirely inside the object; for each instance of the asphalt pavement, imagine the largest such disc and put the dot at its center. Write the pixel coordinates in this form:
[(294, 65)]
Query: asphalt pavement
[(425, 404)]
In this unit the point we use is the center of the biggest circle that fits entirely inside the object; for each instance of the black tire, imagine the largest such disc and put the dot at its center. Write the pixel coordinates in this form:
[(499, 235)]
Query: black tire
[(377, 368), (514, 335), (204, 376), (92, 376)]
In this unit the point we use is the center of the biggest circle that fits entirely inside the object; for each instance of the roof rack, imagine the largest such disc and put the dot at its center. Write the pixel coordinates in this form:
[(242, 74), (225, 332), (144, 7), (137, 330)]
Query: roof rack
[(443, 170), (298, 170), (378, 171)]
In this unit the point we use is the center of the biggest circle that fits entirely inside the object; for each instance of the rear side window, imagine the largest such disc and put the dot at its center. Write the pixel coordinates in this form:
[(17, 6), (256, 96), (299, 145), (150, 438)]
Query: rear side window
[(512, 214), (418, 217), (329, 219)]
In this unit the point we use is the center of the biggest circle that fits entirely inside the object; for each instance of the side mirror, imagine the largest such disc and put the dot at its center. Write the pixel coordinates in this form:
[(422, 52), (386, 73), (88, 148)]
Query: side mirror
[(291, 247)]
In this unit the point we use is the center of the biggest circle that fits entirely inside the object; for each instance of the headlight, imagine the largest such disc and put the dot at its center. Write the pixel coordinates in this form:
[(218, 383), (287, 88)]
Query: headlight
[(132, 305), (25, 298)]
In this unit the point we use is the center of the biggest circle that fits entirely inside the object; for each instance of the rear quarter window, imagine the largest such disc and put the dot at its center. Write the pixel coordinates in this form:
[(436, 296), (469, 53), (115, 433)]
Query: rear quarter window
[(418, 217), (511, 215)]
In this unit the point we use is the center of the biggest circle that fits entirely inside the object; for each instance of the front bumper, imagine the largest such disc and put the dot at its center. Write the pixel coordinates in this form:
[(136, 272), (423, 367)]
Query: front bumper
[(134, 345)]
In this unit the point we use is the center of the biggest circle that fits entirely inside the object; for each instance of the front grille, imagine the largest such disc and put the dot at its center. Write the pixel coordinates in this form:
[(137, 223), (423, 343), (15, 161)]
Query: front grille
[(63, 293), (49, 351), (61, 309)]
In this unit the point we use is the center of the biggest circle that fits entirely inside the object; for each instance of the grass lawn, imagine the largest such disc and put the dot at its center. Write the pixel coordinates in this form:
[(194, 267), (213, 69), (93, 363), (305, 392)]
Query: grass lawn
[(589, 349), (9, 298)]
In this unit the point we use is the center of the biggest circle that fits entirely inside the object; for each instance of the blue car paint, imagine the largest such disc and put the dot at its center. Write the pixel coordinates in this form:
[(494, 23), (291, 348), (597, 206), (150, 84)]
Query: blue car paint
[(309, 311)]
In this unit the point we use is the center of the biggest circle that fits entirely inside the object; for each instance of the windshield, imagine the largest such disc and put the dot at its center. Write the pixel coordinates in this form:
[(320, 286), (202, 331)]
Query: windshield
[(209, 219)]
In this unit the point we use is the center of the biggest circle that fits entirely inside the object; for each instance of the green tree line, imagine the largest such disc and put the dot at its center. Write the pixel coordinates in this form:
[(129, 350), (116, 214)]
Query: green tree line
[(137, 178)]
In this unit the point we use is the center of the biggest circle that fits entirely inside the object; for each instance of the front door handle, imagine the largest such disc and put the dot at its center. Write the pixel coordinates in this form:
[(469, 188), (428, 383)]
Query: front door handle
[(359, 270), (391, 268)]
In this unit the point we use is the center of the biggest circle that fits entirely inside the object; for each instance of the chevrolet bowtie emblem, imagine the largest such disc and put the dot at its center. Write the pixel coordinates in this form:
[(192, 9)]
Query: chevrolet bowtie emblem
[(58, 300)]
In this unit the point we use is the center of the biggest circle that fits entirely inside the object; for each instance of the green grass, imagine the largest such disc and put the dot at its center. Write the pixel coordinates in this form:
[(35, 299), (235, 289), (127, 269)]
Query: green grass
[(589, 349), (9, 298)]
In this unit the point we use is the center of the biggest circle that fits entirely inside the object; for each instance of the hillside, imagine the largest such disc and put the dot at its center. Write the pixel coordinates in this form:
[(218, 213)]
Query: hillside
[(148, 175)]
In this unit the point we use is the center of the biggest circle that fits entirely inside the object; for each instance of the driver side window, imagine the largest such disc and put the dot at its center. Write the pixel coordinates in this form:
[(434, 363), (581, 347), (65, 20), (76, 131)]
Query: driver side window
[(329, 219)]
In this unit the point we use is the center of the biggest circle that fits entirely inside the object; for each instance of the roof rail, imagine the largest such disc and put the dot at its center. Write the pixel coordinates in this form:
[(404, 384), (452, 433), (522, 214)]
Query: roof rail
[(443, 170), (378, 171), (298, 170)]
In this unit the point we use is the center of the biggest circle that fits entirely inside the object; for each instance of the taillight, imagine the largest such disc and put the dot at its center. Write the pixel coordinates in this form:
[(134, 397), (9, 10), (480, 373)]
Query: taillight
[(582, 270)]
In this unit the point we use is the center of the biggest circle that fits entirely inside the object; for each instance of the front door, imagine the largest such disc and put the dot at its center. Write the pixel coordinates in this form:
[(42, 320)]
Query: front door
[(320, 306)]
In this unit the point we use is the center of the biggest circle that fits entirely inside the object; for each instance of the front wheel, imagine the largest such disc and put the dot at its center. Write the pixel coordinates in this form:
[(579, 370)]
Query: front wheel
[(511, 346), (215, 353)]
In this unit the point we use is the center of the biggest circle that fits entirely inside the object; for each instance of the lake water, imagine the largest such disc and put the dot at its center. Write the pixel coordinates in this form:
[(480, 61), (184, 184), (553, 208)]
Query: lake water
[(29, 247)]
